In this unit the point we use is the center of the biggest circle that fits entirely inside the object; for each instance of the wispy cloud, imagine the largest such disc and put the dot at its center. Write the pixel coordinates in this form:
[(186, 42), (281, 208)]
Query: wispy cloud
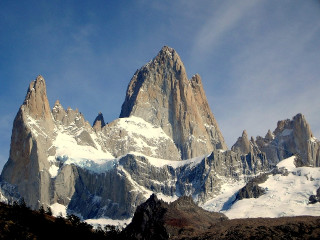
[(225, 17), (270, 70)]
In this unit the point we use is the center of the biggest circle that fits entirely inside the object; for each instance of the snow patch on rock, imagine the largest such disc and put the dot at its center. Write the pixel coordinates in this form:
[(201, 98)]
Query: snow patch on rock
[(58, 209)]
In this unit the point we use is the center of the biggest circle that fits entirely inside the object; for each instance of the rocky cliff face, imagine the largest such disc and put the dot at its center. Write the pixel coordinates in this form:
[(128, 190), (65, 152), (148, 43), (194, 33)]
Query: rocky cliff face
[(30, 141), (161, 94), (244, 146), (291, 137), (99, 123)]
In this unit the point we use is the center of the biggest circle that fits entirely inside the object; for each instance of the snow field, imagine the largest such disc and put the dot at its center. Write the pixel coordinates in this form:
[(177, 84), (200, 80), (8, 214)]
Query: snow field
[(285, 195)]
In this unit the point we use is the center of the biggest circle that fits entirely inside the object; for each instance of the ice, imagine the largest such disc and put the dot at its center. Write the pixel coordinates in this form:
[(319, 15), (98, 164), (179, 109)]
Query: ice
[(175, 164), (166, 198), (53, 170), (313, 139), (138, 126), (66, 145), (96, 165), (51, 159), (285, 195), (287, 163), (58, 209), (69, 152), (102, 222), (225, 198)]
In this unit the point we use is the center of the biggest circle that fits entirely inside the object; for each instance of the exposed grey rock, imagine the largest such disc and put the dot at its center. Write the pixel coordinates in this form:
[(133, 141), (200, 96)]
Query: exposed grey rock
[(134, 135), (269, 136), (243, 146), (291, 137), (252, 188), (161, 94), (98, 123), (31, 137), (8, 193), (315, 198)]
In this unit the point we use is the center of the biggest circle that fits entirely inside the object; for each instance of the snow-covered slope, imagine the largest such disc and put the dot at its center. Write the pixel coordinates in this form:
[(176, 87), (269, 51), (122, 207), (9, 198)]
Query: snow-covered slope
[(87, 149), (286, 195)]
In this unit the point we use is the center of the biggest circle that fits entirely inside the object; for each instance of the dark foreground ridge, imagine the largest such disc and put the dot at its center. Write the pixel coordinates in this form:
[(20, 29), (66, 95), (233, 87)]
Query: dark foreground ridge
[(183, 219), (156, 219), (20, 222)]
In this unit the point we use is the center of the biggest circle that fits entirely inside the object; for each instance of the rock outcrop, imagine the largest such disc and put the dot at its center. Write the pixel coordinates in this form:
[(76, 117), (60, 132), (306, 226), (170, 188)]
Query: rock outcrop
[(252, 188), (156, 219), (315, 198), (161, 94), (291, 137), (31, 138), (99, 123), (243, 146)]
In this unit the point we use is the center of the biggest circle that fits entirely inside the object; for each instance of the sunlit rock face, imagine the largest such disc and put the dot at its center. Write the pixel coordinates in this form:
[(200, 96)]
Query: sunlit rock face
[(291, 137), (161, 94)]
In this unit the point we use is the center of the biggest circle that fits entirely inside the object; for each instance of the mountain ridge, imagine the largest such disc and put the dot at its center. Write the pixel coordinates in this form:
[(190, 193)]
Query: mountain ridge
[(166, 141)]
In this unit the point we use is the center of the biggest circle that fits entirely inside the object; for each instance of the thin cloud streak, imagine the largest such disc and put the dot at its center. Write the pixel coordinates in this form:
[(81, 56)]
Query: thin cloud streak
[(269, 75), (224, 18)]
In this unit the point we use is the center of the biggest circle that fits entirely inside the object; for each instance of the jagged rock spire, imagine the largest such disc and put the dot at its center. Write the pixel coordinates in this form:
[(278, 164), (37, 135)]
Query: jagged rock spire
[(161, 94), (242, 145), (269, 136), (31, 137), (36, 101), (291, 137), (99, 123)]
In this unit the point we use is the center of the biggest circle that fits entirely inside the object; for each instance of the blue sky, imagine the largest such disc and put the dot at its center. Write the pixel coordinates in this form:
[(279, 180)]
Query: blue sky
[(259, 60)]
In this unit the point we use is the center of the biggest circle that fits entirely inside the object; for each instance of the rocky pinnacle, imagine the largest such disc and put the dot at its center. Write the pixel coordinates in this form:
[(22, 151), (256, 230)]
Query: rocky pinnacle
[(161, 94), (99, 123)]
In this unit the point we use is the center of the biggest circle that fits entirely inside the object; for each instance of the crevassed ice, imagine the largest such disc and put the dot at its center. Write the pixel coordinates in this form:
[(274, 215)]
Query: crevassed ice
[(69, 152)]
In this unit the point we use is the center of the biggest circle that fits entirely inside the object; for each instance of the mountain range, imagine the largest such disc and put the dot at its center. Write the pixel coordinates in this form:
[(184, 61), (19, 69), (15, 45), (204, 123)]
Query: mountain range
[(166, 141)]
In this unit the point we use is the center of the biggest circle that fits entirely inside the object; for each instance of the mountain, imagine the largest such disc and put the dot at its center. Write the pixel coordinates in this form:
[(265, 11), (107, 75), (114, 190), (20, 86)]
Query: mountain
[(161, 94), (289, 138), (30, 141), (99, 123), (166, 142)]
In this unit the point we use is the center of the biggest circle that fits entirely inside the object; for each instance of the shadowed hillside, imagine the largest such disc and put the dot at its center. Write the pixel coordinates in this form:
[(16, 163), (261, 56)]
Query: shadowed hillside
[(19, 222), (183, 219)]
